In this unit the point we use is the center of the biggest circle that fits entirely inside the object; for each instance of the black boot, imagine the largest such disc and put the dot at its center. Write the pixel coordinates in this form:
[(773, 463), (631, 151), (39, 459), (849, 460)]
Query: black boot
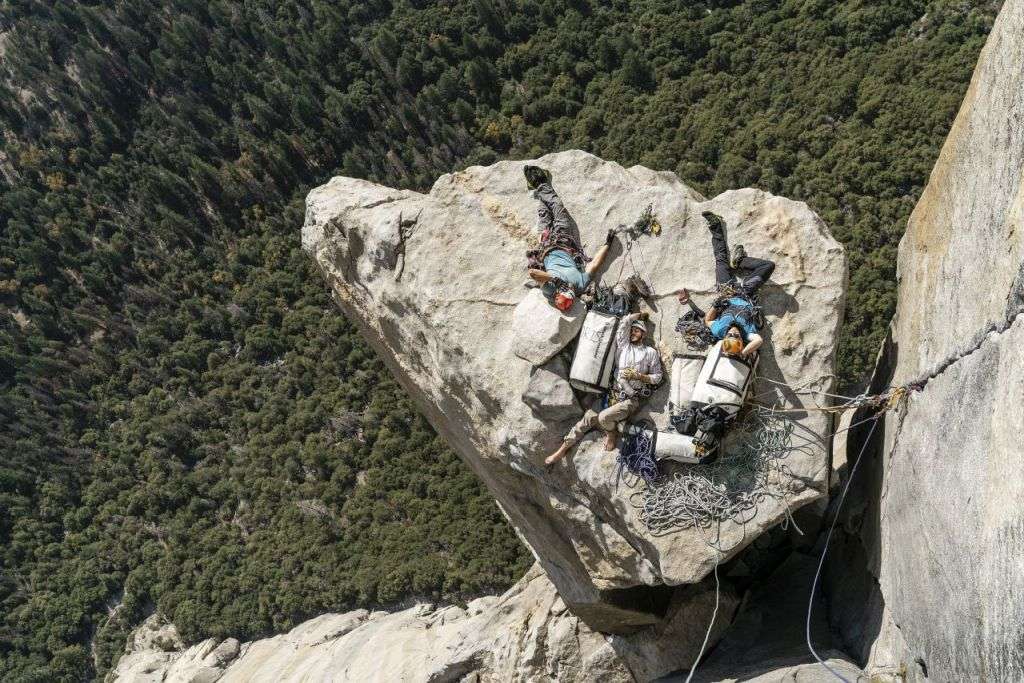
[(738, 254), (536, 176), (715, 222)]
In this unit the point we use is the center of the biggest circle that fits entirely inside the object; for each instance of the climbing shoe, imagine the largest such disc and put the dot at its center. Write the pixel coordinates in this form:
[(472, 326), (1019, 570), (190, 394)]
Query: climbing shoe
[(738, 254), (715, 221), (536, 176), (637, 288)]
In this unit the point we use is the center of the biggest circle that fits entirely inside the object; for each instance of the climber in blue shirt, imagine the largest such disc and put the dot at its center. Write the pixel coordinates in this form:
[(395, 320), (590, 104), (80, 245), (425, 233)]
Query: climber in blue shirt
[(733, 316), (559, 263)]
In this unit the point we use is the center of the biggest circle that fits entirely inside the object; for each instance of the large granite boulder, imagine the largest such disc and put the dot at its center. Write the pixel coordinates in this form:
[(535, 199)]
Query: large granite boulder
[(527, 634), (436, 282), (940, 518)]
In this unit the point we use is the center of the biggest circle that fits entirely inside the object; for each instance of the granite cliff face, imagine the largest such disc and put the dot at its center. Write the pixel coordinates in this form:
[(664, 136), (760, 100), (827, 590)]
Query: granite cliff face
[(444, 301), (939, 518), (527, 634)]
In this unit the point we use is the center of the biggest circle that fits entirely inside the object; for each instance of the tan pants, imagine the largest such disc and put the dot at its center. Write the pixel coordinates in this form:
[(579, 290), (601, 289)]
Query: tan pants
[(608, 419)]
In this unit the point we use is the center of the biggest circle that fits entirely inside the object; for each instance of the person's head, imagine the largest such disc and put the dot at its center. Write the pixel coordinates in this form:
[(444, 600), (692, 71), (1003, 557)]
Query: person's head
[(735, 339), (564, 300), (637, 331)]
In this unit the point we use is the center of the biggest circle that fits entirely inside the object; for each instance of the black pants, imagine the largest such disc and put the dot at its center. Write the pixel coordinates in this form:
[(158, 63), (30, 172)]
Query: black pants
[(552, 215), (750, 272)]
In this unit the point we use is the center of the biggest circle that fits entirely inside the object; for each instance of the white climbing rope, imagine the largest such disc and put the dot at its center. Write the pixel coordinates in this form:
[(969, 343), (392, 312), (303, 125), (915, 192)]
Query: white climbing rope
[(728, 489), (707, 635), (828, 538)]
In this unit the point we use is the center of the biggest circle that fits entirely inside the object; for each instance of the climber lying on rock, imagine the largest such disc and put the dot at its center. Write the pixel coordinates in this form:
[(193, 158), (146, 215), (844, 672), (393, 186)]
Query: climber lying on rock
[(733, 316), (638, 372), (560, 265)]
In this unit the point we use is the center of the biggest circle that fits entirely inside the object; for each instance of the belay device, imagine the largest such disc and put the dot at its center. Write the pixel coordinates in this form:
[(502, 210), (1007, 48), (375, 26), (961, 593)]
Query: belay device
[(595, 350)]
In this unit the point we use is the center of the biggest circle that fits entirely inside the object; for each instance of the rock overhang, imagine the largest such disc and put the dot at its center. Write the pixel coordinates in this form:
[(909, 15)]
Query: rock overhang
[(436, 282)]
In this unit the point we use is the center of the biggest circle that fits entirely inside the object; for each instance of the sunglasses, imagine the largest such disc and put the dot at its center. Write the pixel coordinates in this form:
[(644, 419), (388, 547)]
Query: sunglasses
[(733, 336)]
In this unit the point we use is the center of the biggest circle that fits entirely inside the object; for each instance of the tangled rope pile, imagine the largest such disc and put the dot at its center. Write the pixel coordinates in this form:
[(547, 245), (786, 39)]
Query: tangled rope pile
[(637, 456), (695, 333), (731, 487)]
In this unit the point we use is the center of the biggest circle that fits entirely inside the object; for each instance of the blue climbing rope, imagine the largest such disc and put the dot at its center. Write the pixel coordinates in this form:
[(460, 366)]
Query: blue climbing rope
[(637, 455)]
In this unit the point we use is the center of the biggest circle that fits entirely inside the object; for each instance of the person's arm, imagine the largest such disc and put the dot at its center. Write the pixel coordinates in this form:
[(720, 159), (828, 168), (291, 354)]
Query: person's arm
[(684, 298), (710, 316), (753, 345), (622, 334), (655, 375)]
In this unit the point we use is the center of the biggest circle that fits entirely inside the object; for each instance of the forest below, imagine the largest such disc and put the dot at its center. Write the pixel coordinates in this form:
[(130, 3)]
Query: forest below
[(188, 424)]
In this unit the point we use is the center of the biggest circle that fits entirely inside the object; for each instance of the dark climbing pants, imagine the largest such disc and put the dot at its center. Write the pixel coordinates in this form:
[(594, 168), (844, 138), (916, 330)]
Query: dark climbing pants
[(554, 217), (750, 272)]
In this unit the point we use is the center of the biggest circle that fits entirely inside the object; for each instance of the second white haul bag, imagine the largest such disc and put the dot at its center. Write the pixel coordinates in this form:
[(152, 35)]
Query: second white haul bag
[(724, 380), (595, 353), (685, 370)]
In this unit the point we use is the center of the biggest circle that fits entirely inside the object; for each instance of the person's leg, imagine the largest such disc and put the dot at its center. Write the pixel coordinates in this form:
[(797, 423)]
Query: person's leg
[(586, 423), (759, 270), (610, 417), (720, 248), (561, 220)]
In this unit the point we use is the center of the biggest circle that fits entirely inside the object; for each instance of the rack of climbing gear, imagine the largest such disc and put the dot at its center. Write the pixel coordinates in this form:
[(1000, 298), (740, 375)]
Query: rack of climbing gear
[(646, 224)]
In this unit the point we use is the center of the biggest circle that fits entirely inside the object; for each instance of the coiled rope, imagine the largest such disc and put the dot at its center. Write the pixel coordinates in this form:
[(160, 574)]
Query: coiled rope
[(728, 489), (637, 456)]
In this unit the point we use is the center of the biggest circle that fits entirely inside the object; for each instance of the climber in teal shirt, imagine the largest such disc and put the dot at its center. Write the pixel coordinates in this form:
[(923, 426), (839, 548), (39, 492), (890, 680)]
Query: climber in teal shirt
[(559, 264), (733, 317)]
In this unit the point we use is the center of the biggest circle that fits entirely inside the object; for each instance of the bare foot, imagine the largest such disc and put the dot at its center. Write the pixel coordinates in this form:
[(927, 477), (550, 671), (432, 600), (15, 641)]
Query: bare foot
[(557, 455), (610, 440), (541, 276)]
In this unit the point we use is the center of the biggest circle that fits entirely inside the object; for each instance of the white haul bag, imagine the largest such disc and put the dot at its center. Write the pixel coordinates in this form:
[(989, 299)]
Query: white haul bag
[(595, 353)]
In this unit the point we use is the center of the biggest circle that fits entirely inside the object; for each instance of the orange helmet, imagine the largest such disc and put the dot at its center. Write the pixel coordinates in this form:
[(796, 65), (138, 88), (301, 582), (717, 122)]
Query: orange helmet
[(732, 346), (564, 300)]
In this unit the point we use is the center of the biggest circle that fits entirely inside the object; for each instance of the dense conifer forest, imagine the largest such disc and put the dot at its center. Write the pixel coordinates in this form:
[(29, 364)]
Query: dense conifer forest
[(186, 421)]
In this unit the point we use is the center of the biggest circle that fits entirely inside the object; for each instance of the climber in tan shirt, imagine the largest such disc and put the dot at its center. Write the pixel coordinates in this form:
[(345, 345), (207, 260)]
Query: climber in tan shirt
[(638, 371)]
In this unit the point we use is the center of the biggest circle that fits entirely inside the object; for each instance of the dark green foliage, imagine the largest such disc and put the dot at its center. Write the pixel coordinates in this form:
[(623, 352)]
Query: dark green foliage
[(187, 423)]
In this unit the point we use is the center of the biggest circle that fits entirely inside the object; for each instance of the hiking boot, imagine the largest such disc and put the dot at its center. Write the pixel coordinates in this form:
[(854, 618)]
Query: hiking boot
[(738, 254), (536, 176), (715, 222)]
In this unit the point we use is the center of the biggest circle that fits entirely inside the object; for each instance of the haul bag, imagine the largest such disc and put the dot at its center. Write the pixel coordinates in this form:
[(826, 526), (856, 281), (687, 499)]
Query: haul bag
[(724, 380), (595, 353), (685, 371), (670, 445)]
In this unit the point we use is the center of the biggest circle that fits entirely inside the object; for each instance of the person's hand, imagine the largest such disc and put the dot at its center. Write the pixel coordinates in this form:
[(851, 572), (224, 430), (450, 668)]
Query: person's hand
[(683, 295), (630, 374), (645, 316), (747, 353)]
